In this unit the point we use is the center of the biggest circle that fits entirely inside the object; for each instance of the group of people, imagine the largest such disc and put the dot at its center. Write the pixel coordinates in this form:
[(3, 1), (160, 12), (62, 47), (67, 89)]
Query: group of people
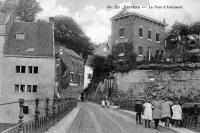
[(105, 102), (159, 110)]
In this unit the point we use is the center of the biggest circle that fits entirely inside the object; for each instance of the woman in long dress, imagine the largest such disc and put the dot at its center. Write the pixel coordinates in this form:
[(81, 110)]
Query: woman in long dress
[(147, 113), (156, 111)]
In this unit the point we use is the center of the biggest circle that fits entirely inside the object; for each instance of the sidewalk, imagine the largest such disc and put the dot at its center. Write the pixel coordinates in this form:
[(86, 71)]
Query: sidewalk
[(64, 124), (179, 130)]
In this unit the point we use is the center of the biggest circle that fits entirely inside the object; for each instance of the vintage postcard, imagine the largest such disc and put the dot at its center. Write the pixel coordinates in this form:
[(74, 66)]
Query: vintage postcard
[(99, 66)]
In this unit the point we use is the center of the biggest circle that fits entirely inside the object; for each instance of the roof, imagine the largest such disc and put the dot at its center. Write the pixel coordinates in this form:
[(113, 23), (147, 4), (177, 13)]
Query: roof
[(124, 13), (69, 52), (38, 39)]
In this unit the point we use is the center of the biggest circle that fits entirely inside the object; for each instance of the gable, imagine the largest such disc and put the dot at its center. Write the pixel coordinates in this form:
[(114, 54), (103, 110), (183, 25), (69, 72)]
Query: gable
[(37, 41)]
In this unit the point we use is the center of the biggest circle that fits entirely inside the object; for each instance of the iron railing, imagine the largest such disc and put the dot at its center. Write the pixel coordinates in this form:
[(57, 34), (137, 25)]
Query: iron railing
[(60, 107), (191, 122)]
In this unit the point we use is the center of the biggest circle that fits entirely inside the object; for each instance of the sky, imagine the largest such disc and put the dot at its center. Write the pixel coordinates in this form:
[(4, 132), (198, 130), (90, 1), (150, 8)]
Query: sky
[(93, 16)]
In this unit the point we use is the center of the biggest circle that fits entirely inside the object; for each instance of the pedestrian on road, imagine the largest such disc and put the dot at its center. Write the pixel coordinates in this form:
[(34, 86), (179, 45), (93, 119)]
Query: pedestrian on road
[(147, 113), (103, 102), (156, 111), (177, 113), (166, 111), (138, 110)]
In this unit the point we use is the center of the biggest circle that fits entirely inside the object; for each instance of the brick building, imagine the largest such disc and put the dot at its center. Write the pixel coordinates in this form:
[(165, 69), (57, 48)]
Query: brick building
[(70, 72), (133, 32)]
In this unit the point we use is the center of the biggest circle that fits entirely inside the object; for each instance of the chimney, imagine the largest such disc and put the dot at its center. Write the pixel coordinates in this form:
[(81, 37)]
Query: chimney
[(51, 19)]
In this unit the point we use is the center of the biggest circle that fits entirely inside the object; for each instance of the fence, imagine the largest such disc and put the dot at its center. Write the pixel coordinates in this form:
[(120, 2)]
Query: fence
[(191, 122), (60, 107)]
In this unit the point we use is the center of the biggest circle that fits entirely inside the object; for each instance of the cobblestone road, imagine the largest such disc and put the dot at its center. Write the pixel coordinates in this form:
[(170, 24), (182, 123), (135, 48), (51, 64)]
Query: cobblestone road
[(93, 118)]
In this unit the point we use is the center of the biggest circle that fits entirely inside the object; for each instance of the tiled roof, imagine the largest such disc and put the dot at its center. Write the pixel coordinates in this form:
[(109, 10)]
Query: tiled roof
[(121, 14), (69, 52), (124, 13), (38, 39)]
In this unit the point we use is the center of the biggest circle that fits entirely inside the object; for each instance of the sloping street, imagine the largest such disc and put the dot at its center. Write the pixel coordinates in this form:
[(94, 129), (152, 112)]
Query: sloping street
[(93, 118)]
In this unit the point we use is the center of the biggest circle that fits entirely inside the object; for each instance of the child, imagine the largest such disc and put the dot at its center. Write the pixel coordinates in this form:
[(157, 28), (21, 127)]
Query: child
[(147, 113), (138, 109), (177, 113), (103, 103)]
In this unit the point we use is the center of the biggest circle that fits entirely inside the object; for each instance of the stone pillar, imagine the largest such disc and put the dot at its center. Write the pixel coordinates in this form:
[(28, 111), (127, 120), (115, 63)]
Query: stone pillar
[(36, 112), (21, 115)]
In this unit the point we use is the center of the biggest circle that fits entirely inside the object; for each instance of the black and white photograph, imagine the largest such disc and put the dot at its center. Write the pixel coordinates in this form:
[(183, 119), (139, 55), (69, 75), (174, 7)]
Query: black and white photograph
[(99, 66)]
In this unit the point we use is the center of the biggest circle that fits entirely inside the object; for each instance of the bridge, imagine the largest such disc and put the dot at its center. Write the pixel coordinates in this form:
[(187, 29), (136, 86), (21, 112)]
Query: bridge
[(66, 116)]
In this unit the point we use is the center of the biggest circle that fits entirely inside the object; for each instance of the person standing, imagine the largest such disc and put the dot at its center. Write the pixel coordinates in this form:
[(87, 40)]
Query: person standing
[(177, 113), (166, 111), (156, 111), (147, 113), (138, 110)]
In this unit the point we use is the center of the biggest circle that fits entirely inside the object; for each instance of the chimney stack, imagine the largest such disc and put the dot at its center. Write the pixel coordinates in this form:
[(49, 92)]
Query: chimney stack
[(51, 19)]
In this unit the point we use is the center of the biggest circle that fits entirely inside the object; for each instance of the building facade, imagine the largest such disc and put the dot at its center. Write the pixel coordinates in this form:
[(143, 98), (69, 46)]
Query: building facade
[(28, 68), (70, 73), (133, 32), (32, 66)]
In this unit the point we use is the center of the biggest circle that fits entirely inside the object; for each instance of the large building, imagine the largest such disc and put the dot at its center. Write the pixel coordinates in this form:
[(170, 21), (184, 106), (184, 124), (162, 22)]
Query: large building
[(133, 32), (32, 66)]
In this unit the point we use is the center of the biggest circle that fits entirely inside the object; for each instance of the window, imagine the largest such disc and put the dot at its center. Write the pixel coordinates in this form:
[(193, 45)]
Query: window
[(140, 32), (140, 50), (23, 69), (35, 69), (80, 77), (157, 54), (29, 88), (157, 37), (30, 69), (72, 77), (25, 109), (34, 88), (20, 36), (149, 34), (121, 32), (22, 88), (76, 78), (17, 69), (77, 67), (16, 87), (89, 76), (73, 67), (20, 69), (80, 68)]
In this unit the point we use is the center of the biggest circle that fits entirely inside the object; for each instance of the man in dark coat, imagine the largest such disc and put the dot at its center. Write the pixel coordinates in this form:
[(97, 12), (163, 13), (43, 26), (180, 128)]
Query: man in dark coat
[(138, 110)]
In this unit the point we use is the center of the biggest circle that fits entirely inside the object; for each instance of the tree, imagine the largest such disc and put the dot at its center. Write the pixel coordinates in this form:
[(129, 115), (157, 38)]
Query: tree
[(131, 61), (25, 10), (178, 37), (97, 64), (68, 33), (8, 6)]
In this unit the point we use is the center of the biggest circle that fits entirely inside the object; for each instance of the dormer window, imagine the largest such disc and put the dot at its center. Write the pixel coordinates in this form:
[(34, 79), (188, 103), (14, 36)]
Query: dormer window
[(20, 36)]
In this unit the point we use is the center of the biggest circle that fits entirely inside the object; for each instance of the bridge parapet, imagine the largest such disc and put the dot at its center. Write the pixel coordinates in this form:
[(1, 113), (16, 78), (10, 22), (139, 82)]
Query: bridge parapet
[(40, 123)]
